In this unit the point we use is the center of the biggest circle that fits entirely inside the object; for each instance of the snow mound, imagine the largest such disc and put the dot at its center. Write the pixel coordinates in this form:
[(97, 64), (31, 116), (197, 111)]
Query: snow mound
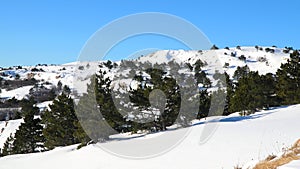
[(237, 141)]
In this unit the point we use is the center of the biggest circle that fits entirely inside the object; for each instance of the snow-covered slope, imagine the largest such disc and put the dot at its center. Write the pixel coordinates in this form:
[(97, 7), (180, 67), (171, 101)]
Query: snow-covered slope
[(66, 73), (8, 128), (238, 140), (291, 165)]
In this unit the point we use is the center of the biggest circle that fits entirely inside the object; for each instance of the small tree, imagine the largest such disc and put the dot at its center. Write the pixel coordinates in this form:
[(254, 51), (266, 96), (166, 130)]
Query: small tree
[(214, 47), (242, 58), (17, 77)]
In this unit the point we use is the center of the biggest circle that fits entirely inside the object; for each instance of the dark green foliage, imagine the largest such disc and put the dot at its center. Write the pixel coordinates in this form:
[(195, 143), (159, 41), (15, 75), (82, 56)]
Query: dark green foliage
[(81, 68), (40, 93), (59, 86), (253, 92), (200, 75), (60, 123), (14, 84), (94, 127), (204, 99), (242, 58), (198, 65), (288, 77), (241, 72), (256, 47), (17, 77), (214, 47), (287, 49), (226, 65), (29, 138), (168, 111), (66, 90), (189, 66), (106, 103), (262, 59), (109, 64), (229, 94), (270, 50)]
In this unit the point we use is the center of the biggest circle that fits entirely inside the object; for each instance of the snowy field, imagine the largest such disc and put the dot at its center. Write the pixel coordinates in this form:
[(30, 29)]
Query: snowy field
[(237, 141)]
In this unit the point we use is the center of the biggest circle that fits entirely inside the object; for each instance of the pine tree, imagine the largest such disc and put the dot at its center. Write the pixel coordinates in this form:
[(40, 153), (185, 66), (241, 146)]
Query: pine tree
[(105, 102), (29, 138), (229, 94), (253, 92), (167, 107), (60, 123), (241, 72), (204, 105), (288, 77), (94, 127)]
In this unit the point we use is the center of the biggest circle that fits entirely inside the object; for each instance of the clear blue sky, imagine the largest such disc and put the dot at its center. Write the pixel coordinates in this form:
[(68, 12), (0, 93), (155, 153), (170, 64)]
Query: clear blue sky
[(54, 31)]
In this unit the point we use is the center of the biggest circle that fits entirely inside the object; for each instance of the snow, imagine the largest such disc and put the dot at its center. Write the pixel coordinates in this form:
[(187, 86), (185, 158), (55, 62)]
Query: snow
[(237, 141), (291, 165), (18, 93), (7, 129)]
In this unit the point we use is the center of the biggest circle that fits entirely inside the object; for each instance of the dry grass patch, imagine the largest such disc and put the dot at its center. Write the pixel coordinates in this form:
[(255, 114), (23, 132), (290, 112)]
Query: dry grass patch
[(272, 162)]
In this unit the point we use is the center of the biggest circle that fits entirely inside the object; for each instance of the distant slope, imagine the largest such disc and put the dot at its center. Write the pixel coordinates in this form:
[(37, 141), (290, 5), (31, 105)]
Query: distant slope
[(257, 60)]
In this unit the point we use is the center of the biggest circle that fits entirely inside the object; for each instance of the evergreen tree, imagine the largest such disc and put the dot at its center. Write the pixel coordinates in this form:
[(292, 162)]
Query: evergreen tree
[(241, 72), (94, 127), (229, 94), (60, 123), (214, 47), (253, 92), (29, 138), (200, 75), (28, 108), (204, 104), (165, 108), (288, 77), (106, 104)]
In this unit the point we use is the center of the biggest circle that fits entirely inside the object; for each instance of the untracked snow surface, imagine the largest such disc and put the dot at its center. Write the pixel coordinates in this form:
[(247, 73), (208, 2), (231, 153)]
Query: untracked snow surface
[(291, 165), (8, 128), (238, 140)]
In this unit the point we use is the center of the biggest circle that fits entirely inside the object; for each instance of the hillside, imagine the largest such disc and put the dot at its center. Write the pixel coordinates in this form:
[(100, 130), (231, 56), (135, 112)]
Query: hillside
[(209, 142), (257, 59)]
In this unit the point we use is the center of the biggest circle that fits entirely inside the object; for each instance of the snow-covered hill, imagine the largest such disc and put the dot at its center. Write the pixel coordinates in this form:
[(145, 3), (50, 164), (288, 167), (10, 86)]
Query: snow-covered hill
[(257, 60), (238, 140)]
